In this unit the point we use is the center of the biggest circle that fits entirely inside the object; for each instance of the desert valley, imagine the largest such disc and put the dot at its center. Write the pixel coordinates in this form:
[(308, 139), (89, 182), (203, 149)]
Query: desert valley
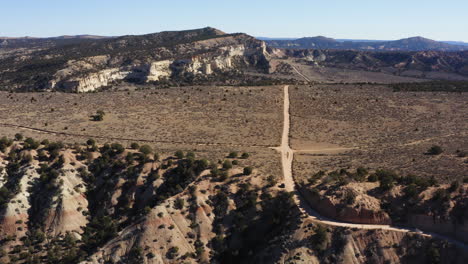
[(200, 146)]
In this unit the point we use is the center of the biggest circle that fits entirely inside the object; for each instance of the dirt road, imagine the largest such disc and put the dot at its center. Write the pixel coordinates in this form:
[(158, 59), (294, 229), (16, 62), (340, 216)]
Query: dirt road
[(287, 157), (298, 72)]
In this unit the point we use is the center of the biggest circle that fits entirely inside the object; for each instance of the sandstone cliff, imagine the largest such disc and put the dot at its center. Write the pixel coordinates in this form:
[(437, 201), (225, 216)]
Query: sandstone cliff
[(179, 56)]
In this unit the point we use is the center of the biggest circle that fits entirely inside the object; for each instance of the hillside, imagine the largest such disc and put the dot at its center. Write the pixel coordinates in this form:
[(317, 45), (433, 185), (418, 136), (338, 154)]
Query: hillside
[(420, 64), (89, 203), (88, 64), (408, 44), (208, 56)]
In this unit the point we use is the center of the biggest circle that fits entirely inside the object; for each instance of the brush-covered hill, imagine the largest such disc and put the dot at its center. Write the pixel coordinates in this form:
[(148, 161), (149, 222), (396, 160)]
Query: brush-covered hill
[(87, 64), (90, 203), (405, 63)]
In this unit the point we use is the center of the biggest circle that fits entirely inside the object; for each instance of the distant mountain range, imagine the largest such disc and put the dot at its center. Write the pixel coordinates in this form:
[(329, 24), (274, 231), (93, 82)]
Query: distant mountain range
[(32, 42), (408, 44), (87, 63)]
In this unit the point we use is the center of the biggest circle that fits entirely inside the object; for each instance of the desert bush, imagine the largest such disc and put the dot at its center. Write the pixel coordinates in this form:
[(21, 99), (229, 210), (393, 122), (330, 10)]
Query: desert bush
[(146, 150), (99, 116), (179, 154), (5, 143), (441, 195), (134, 145), (454, 186), (233, 155), (172, 252), (361, 171), (214, 171), (271, 180), (248, 170), (350, 197), (223, 176), (18, 137), (320, 237), (91, 142), (190, 155), (411, 191), (245, 155), (179, 203), (227, 164), (386, 179), (435, 150)]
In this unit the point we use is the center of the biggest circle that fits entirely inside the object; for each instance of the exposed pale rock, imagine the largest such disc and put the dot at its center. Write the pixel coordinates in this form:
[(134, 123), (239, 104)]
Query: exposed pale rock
[(66, 214), (159, 69)]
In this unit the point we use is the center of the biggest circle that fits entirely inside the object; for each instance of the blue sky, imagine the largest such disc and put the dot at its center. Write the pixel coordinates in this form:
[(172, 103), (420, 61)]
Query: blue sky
[(359, 19)]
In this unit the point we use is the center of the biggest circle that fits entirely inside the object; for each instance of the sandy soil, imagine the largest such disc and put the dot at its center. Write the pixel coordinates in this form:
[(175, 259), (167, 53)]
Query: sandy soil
[(341, 126), (228, 115), (287, 158)]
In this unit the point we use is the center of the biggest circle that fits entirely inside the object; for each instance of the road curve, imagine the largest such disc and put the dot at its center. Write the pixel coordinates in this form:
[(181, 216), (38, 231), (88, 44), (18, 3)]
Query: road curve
[(287, 156)]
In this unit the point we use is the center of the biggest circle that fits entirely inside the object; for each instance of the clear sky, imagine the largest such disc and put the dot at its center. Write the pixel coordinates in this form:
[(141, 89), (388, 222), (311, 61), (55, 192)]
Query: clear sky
[(359, 19)]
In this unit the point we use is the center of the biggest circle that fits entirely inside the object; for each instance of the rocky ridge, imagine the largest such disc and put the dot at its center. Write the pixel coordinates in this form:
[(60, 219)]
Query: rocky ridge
[(98, 63)]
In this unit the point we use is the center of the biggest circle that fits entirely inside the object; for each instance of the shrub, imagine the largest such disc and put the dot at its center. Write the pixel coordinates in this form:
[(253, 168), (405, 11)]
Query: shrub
[(179, 154), (245, 155), (233, 155), (18, 137), (214, 171), (118, 148), (271, 180), (454, 186), (227, 164), (179, 203), (350, 197), (411, 191), (172, 252), (146, 150), (5, 143), (386, 179), (435, 150), (440, 195), (320, 237), (99, 116), (30, 143), (248, 170), (223, 176), (91, 142), (156, 156), (361, 171), (372, 178), (134, 145), (190, 155)]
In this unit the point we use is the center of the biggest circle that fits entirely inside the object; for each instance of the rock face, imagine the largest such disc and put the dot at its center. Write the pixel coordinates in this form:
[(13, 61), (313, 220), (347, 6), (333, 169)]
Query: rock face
[(422, 63), (343, 212), (179, 56), (118, 206), (224, 59), (91, 82), (441, 226)]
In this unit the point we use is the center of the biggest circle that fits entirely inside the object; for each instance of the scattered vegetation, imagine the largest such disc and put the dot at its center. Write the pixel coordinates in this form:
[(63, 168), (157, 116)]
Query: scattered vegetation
[(433, 86)]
